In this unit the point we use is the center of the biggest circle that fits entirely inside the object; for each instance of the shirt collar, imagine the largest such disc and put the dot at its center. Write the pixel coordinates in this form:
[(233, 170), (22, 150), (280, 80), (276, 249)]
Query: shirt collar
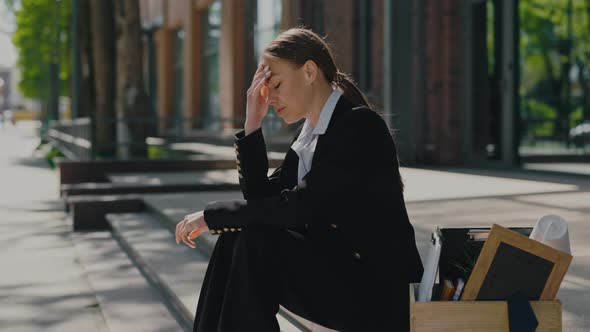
[(326, 113)]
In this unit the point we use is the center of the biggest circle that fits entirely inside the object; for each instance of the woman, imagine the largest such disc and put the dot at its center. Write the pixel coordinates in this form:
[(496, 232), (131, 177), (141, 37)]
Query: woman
[(327, 235)]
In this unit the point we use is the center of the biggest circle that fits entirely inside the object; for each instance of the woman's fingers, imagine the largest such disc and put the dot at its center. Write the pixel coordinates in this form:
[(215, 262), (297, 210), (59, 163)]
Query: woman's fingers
[(184, 234), (260, 84), (253, 90), (260, 73), (195, 233), (188, 242), (179, 226), (262, 69)]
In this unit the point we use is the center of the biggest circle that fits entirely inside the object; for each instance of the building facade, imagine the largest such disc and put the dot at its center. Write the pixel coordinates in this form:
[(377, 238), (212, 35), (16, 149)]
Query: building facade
[(423, 63)]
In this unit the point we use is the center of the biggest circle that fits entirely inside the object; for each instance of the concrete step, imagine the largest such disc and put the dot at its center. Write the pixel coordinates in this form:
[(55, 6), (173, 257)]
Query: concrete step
[(171, 208), (176, 270), (127, 301)]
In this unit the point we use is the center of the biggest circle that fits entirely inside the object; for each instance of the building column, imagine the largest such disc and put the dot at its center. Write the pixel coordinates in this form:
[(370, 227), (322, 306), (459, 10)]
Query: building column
[(510, 82), (164, 47), (290, 14), (193, 53), (339, 30), (232, 63), (400, 78), (444, 74)]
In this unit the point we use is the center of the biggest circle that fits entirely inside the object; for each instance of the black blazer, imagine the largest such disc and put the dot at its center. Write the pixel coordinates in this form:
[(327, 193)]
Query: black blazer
[(353, 191)]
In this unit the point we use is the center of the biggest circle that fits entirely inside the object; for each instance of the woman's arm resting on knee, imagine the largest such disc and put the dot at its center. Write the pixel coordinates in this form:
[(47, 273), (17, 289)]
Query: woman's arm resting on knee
[(285, 210)]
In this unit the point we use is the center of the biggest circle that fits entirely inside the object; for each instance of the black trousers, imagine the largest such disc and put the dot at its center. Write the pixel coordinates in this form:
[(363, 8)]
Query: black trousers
[(252, 272)]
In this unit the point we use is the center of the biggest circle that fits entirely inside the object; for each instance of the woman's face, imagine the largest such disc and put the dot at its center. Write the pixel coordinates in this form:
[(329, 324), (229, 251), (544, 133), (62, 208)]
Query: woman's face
[(289, 90)]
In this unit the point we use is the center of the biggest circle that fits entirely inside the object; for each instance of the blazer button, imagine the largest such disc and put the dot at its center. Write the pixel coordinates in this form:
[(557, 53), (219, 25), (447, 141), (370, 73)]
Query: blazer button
[(356, 255), (334, 226)]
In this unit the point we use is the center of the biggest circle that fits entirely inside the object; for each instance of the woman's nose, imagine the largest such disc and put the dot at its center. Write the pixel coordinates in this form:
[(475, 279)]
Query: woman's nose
[(272, 95)]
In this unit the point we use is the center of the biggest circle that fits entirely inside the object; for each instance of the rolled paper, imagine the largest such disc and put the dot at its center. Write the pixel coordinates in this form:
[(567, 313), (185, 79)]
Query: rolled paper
[(552, 230)]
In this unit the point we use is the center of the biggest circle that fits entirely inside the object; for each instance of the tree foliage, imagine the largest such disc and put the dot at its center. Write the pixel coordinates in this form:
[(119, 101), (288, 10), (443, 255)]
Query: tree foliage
[(42, 37), (555, 56)]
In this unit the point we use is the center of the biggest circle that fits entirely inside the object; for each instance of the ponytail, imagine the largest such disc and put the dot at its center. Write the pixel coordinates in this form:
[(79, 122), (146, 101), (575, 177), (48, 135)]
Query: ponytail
[(350, 89)]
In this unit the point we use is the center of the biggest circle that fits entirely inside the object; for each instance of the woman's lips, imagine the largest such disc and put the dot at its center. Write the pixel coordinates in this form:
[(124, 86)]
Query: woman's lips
[(279, 110)]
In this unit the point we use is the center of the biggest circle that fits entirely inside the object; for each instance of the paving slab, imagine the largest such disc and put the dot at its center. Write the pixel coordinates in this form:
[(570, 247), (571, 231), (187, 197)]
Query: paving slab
[(43, 286), (126, 300), (427, 184), (574, 168)]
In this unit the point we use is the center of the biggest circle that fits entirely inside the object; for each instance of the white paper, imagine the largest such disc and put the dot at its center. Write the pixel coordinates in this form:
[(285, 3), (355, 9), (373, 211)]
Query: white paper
[(430, 269), (552, 230)]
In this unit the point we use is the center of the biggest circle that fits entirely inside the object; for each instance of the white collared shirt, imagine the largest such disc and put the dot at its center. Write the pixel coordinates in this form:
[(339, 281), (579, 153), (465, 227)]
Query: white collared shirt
[(306, 142)]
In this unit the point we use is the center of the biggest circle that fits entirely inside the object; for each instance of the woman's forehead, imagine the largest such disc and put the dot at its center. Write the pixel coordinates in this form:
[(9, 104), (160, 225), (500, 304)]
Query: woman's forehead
[(277, 66)]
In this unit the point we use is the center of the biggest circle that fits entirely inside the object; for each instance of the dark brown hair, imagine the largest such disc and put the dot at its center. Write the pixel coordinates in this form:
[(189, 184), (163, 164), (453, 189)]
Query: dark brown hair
[(300, 44)]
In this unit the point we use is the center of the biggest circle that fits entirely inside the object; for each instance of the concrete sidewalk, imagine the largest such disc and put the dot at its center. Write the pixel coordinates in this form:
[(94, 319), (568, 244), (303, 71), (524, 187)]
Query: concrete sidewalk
[(42, 285), (44, 288)]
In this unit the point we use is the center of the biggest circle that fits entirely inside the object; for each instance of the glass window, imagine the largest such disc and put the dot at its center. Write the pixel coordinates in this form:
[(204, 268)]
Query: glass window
[(555, 77), (266, 28), (364, 35), (178, 81), (267, 24), (210, 115)]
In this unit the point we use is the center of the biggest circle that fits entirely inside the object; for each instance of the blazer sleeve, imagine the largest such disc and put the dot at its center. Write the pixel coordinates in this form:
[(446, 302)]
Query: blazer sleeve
[(350, 163), (252, 165)]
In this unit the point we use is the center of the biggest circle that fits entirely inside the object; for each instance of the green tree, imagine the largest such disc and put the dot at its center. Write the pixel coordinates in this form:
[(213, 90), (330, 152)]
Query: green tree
[(42, 37), (555, 44)]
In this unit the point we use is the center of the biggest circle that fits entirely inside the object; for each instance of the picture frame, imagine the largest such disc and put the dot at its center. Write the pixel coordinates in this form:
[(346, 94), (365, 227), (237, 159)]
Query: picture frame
[(511, 262)]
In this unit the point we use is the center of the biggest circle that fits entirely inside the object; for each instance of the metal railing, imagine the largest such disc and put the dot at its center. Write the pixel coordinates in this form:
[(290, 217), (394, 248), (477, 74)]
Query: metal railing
[(72, 137), (538, 137)]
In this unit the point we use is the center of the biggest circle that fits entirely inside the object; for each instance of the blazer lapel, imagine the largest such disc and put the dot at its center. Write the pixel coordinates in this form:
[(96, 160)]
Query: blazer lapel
[(342, 105), (290, 164)]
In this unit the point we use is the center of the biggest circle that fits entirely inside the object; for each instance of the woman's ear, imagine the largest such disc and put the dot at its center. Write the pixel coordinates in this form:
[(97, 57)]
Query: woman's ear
[(310, 69)]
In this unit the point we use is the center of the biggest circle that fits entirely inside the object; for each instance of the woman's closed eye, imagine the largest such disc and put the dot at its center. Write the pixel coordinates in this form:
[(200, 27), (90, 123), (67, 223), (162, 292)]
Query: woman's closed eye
[(277, 86)]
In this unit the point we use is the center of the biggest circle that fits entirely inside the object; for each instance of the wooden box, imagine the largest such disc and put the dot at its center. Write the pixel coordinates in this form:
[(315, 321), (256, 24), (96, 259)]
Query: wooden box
[(481, 316), (473, 315)]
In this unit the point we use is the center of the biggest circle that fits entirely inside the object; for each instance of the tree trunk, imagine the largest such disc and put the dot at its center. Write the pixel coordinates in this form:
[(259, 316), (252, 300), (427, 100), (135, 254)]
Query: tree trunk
[(103, 46), (86, 100), (131, 102)]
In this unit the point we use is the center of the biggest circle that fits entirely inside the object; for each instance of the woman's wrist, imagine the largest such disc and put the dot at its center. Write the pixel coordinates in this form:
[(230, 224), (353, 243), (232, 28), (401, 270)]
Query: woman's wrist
[(250, 127)]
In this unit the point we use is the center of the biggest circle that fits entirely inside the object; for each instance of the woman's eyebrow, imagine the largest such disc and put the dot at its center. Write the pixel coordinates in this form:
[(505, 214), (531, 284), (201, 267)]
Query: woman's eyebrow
[(272, 76)]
